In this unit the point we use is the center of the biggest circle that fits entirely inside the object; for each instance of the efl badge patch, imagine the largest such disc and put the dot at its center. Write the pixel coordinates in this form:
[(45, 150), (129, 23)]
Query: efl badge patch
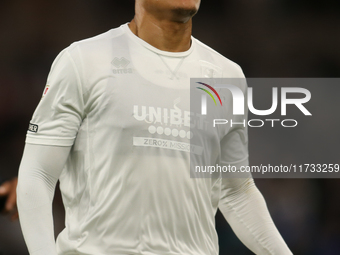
[(33, 128)]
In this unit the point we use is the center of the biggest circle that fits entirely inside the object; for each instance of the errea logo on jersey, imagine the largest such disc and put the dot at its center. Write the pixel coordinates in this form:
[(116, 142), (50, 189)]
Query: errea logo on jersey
[(121, 65)]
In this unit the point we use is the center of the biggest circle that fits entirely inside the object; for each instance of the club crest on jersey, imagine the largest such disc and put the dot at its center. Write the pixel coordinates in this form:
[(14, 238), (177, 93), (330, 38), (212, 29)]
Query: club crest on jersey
[(47, 87), (121, 66)]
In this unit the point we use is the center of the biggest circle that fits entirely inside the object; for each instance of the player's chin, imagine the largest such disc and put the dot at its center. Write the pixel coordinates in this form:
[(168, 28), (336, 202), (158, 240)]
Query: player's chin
[(183, 14), (185, 8)]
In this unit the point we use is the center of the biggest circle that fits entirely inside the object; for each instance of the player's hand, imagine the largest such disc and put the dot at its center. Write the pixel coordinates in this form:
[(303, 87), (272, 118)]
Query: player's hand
[(8, 190)]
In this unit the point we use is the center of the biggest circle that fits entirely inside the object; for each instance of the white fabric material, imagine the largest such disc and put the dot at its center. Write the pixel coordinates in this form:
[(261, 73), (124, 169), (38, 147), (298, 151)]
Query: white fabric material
[(244, 208), (126, 185), (38, 174)]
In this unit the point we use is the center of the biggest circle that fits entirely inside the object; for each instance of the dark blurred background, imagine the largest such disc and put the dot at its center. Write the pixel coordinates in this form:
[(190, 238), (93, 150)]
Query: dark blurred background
[(281, 38)]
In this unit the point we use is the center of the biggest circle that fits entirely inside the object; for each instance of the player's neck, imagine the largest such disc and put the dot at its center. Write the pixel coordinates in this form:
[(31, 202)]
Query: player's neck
[(163, 34)]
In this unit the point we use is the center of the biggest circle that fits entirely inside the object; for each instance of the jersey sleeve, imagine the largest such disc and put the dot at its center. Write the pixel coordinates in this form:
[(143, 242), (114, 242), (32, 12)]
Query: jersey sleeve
[(241, 203), (59, 114), (39, 172), (234, 144), (234, 148)]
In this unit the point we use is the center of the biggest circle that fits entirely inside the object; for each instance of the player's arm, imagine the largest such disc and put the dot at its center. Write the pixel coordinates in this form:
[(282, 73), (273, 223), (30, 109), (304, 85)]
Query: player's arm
[(39, 171), (244, 207), (241, 203), (52, 132)]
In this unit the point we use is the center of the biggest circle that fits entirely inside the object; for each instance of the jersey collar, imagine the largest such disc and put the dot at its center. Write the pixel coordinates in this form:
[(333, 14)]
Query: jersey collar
[(127, 30)]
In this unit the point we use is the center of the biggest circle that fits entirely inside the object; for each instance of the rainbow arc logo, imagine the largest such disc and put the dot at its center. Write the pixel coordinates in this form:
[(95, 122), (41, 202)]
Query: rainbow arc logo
[(209, 93)]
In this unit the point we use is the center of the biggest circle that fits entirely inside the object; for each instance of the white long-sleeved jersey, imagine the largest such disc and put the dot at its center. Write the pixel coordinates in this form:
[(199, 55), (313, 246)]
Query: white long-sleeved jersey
[(124, 107)]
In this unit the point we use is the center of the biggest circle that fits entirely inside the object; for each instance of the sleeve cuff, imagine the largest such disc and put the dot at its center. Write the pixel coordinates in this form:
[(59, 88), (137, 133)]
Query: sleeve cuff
[(47, 140)]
